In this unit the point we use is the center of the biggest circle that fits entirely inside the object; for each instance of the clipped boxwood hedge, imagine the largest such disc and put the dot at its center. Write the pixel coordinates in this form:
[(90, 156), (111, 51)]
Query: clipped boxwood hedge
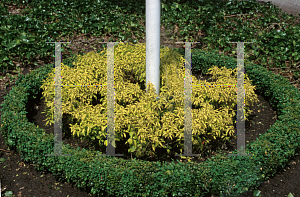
[(116, 176)]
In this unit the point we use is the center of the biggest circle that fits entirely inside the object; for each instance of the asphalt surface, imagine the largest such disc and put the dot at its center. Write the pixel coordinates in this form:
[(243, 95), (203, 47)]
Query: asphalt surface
[(287, 6)]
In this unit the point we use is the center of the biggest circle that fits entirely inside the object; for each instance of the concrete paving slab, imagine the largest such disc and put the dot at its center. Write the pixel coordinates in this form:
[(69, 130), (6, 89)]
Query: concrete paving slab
[(287, 6)]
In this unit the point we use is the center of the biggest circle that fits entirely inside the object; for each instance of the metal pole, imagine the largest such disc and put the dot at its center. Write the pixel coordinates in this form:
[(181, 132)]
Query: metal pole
[(153, 44)]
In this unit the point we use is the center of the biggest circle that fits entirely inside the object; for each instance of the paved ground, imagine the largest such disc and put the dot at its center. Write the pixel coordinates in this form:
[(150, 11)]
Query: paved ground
[(288, 6)]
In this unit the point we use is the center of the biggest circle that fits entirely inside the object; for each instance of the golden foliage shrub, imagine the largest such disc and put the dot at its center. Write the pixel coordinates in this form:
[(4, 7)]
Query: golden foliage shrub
[(145, 122)]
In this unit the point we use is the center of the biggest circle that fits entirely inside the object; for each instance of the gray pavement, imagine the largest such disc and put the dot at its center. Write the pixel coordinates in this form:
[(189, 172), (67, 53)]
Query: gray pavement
[(287, 6)]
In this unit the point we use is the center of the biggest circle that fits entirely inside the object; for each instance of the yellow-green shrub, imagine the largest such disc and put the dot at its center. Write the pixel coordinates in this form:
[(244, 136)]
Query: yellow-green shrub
[(149, 123)]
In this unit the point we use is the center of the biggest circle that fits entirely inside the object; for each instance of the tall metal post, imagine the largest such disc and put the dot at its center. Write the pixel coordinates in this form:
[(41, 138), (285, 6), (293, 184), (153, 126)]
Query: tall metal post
[(153, 44)]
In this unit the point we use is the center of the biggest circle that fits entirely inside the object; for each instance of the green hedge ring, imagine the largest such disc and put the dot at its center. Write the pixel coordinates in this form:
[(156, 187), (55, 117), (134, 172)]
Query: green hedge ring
[(116, 176)]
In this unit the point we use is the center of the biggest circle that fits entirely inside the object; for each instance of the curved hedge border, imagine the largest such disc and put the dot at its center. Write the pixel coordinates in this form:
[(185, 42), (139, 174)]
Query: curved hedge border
[(116, 176)]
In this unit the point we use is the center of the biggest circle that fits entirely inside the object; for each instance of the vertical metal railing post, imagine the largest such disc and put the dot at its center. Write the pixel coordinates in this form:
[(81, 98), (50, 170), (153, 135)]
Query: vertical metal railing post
[(110, 148), (188, 103), (240, 124), (58, 104)]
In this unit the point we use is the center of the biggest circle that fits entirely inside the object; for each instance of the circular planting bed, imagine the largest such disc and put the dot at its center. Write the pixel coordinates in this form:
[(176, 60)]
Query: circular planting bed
[(118, 176), (259, 122)]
